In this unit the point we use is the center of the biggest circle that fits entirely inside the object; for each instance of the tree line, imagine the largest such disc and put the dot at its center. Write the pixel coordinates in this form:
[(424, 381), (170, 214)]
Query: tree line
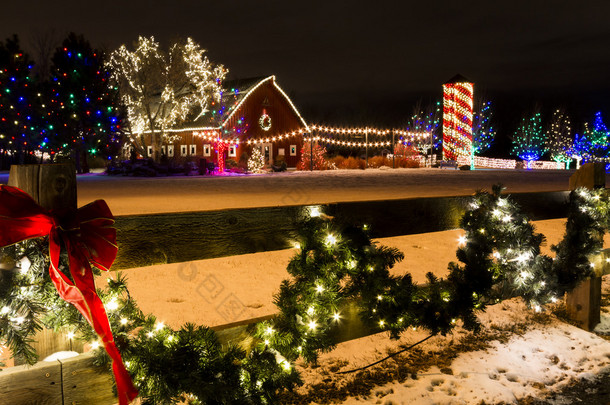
[(88, 104), (77, 102)]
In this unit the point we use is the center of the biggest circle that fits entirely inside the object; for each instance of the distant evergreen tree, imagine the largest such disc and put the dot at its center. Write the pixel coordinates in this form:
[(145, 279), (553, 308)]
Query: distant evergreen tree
[(86, 118), (319, 161), (483, 132), (19, 116), (598, 136), (529, 140)]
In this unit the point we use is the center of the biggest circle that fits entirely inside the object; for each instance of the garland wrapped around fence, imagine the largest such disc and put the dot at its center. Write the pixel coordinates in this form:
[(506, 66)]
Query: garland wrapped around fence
[(500, 258), (336, 264)]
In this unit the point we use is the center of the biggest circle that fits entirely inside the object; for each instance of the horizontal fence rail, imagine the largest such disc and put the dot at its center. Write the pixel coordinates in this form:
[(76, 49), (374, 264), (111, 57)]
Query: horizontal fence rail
[(178, 237)]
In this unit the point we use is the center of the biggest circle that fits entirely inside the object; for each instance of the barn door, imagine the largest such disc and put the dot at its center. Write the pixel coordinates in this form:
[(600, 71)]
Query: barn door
[(268, 153)]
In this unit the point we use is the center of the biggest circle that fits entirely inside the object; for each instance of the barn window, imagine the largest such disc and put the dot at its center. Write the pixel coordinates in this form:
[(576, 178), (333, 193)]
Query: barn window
[(170, 150), (149, 150), (163, 150), (232, 151), (207, 150), (281, 152), (183, 150), (193, 149), (293, 150)]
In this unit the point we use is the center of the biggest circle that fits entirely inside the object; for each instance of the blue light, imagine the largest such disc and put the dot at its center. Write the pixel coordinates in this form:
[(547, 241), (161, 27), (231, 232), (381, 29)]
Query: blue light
[(70, 54)]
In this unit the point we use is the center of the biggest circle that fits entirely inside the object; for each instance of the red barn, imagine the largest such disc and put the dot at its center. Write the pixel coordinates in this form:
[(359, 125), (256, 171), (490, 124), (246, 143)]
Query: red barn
[(252, 113)]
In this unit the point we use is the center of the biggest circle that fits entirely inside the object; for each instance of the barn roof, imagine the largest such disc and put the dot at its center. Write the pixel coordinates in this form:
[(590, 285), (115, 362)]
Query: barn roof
[(234, 95)]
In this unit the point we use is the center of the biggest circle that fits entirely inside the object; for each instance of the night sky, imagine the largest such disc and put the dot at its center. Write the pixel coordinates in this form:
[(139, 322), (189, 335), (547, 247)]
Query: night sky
[(353, 62)]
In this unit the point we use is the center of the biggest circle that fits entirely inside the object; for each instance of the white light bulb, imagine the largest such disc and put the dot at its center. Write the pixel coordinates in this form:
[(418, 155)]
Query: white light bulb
[(25, 264), (113, 305)]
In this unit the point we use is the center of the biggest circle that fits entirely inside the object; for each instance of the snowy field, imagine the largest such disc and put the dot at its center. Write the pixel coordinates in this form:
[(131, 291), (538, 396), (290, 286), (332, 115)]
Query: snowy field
[(521, 355)]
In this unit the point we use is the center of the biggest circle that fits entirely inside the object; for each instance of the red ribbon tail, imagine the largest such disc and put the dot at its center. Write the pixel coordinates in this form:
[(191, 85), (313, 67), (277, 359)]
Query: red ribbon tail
[(83, 296)]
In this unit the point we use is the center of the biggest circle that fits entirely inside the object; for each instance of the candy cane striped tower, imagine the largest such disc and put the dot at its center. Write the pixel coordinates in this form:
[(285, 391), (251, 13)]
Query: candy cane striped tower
[(457, 118)]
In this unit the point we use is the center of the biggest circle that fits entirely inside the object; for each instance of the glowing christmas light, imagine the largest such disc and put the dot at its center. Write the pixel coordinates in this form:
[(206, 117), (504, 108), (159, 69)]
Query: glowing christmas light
[(457, 118), (113, 305), (314, 211), (331, 239)]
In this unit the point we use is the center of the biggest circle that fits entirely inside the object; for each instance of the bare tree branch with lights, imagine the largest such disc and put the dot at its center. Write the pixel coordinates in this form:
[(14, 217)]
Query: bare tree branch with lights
[(559, 137), (160, 89)]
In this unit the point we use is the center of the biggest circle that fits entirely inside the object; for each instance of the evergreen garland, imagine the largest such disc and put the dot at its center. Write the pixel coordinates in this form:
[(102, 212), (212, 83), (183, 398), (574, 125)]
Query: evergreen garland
[(500, 258), (167, 366)]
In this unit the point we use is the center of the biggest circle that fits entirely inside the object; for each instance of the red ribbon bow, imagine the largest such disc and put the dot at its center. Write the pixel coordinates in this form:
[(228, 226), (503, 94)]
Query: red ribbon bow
[(89, 239)]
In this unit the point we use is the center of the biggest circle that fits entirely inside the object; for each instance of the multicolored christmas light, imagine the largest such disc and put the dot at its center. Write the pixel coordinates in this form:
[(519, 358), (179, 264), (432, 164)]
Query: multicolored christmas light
[(457, 117), (483, 133), (529, 141), (85, 118)]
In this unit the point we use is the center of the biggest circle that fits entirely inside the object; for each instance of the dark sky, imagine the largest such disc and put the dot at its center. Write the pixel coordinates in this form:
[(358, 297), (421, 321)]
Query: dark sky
[(374, 56)]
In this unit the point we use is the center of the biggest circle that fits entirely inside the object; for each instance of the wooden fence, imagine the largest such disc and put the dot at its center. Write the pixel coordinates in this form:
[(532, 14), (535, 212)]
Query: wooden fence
[(169, 238)]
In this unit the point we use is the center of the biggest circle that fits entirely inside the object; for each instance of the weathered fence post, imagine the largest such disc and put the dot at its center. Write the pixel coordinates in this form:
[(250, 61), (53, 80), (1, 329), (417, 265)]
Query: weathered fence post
[(53, 186), (584, 302)]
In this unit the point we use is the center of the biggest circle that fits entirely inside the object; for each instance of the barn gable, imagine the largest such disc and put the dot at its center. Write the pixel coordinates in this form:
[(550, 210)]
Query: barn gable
[(252, 113)]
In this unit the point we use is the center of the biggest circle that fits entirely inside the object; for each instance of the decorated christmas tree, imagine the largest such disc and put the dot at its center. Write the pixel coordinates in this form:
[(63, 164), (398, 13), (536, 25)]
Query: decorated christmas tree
[(319, 160), (483, 132), (528, 140), (20, 114), (256, 162), (84, 110)]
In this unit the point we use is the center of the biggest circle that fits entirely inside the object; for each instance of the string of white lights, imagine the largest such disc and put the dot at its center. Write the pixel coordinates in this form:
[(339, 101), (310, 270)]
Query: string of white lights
[(347, 143)]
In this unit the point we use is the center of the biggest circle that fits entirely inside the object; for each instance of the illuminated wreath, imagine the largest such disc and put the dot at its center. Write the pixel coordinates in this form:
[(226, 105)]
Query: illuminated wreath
[(265, 122)]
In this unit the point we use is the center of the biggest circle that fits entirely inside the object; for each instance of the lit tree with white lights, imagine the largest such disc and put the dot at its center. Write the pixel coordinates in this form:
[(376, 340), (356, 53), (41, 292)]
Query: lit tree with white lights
[(161, 88), (559, 138), (483, 132), (256, 163)]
